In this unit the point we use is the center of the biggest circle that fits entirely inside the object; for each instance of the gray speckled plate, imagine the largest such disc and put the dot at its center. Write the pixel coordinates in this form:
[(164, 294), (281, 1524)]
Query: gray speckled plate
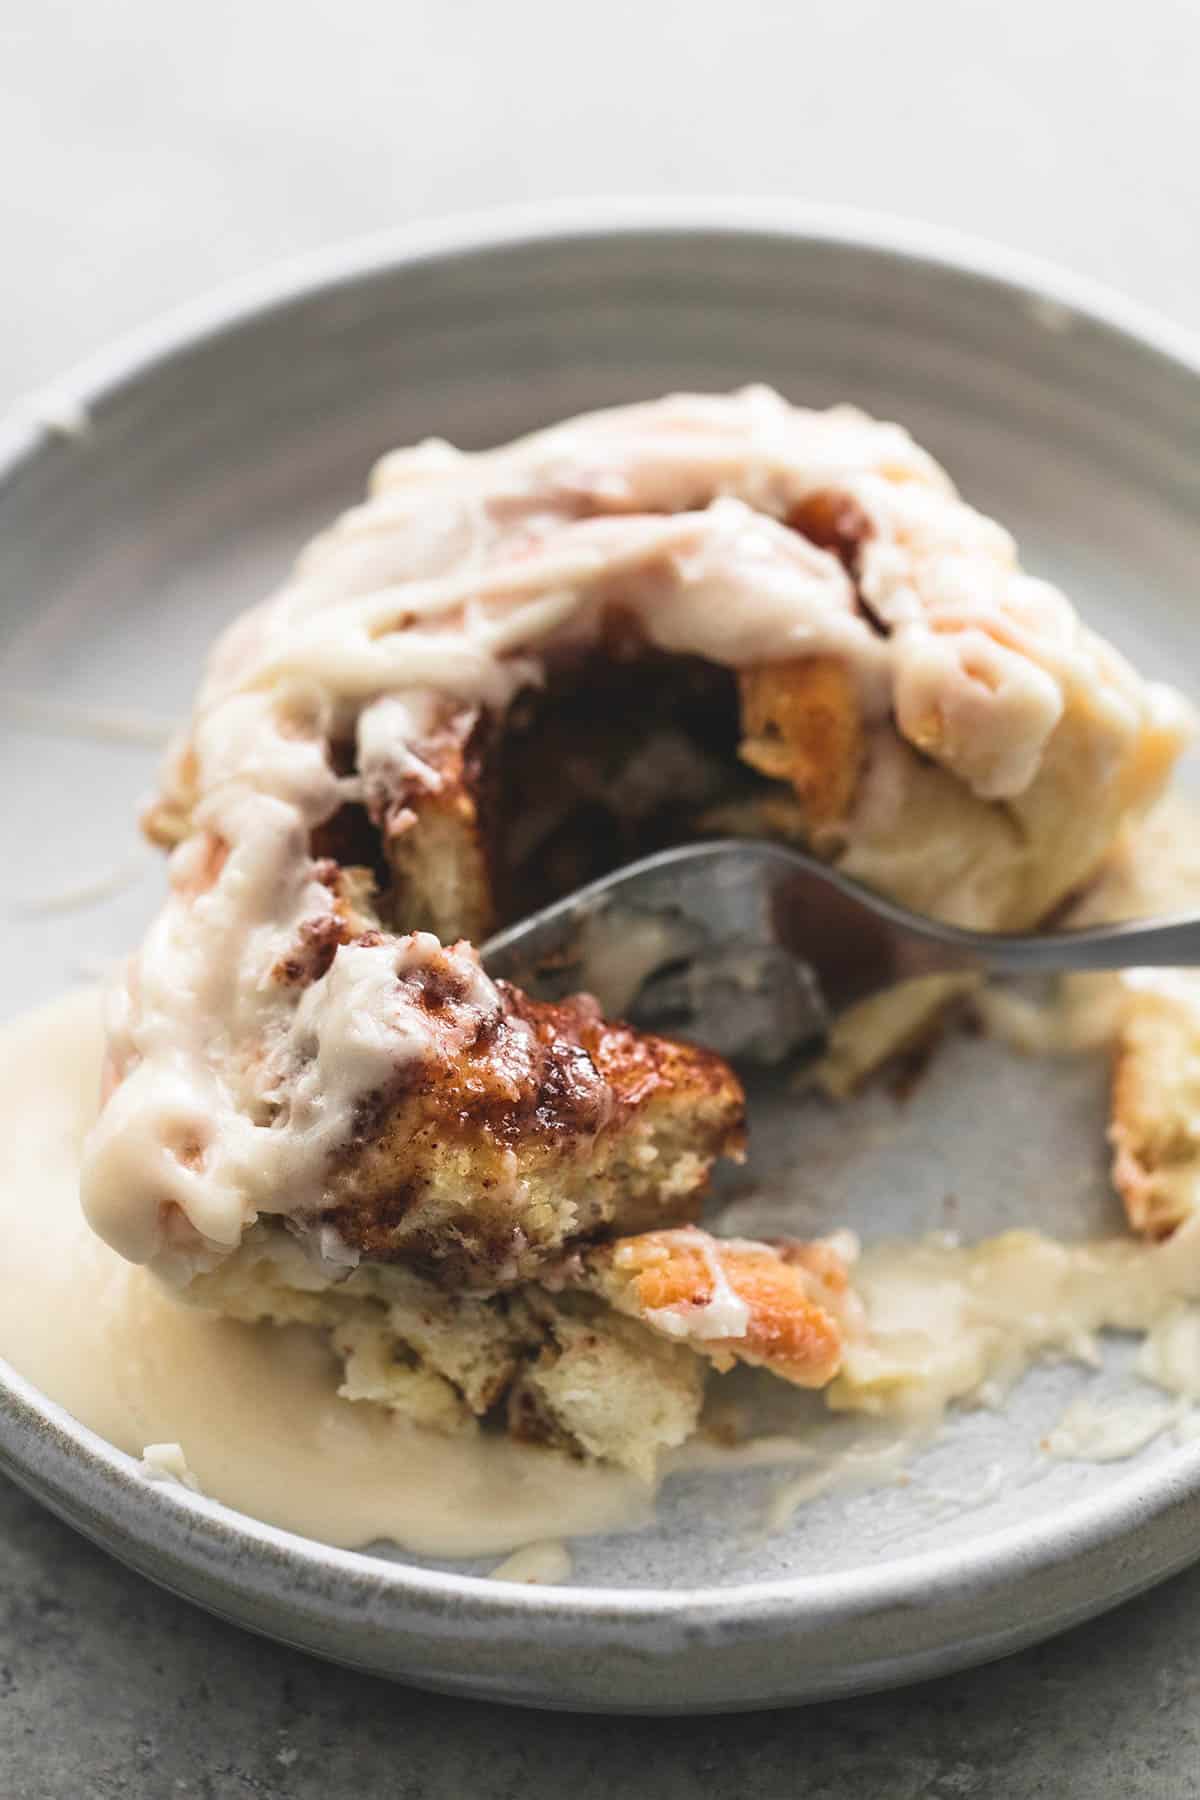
[(213, 446)]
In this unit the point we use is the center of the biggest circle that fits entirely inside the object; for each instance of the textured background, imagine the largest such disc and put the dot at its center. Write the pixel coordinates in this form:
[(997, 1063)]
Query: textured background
[(150, 151)]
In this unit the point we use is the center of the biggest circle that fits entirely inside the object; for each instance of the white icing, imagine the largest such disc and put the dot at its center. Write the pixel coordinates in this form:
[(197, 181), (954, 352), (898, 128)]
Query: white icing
[(167, 1463), (386, 731), (945, 1323), (351, 1033), (256, 1409), (721, 1313), (67, 718), (861, 1466), (845, 1244), (542, 1565), (462, 571), (1099, 1431), (193, 1145), (619, 949), (85, 891), (1170, 1355)]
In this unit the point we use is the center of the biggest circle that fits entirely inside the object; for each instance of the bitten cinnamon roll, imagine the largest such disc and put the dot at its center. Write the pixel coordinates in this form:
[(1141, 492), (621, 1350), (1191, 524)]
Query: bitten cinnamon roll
[(504, 674)]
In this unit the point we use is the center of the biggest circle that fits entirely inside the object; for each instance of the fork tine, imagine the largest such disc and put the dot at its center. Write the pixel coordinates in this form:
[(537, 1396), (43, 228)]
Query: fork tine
[(681, 929)]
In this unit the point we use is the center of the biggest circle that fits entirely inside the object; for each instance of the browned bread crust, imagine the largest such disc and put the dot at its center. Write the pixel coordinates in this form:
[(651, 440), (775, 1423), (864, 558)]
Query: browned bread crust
[(553, 1125), (803, 725), (1155, 1094), (795, 1297)]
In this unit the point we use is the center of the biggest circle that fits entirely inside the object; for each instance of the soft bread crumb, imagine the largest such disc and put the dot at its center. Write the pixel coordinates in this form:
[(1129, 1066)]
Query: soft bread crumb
[(605, 1386), (588, 1366)]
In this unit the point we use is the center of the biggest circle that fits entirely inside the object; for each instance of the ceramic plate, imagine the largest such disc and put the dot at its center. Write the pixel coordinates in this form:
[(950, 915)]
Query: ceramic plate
[(168, 485)]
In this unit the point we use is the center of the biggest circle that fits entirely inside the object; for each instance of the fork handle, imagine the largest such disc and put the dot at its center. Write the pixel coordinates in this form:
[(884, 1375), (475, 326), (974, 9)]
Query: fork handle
[(1140, 943)]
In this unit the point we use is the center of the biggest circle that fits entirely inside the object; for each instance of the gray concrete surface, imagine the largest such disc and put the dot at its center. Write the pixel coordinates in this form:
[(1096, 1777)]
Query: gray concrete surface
[(110, 1688), (150, 151)]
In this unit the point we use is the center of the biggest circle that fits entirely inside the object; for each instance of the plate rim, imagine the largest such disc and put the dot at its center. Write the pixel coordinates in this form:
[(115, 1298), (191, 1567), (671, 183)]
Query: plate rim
[(743, 1608), (28, 420)]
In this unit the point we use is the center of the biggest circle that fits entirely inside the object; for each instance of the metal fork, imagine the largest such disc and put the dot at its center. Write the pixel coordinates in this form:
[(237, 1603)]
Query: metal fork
[(755, 948)]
